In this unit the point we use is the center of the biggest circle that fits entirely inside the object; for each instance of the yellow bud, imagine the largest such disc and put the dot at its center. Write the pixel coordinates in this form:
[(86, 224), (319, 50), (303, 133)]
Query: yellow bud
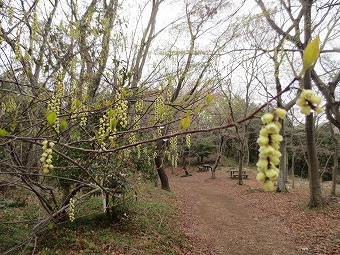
[(46, 170), (305, 109), (275, 169), (281, 113), (42, 159), (262, 164), (307, 94), (48, 151), (277, 153), (267, 118), (267, 150), (272, 128), (51, 144), (264, 132), (271, 174), (261, 177), (44, 142), (276, 138), (276, 145), (268, 185), (275, 160), (316, 100), (263, 140), (300, 101)]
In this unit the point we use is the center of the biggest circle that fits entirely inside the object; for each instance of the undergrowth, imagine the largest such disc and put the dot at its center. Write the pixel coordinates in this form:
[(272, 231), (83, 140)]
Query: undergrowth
[(146, 226)]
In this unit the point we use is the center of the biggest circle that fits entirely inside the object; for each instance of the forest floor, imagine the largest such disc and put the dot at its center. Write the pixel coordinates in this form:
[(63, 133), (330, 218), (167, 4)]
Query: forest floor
[(221, 217)]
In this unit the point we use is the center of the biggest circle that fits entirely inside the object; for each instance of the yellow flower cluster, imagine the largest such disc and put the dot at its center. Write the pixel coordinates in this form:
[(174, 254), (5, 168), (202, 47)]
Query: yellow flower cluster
[(71, 212), (269, 156), (132, 138), (75, 107), (138, 151), (145, 152), (46, 156), (121, 106), (9, 107), (159, 109), (104, 130), (126, 153), (10, 14), (17, 51), (139, 106), (174, 154), (83, 118), (136, 120), (78, 110), (35, 25), (54, 104), (309, 101), (188, 140)]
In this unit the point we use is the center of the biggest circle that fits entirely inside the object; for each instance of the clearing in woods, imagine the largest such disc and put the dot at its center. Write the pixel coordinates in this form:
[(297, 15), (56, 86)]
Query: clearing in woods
[(221, 217)]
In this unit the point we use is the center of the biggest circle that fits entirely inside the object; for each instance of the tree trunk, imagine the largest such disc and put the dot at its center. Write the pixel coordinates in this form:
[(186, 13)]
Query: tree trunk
[(335, 160), (293, 169), (220, 152), (160, 167), (240, 162), (315, 196), (315, 199), (246, 151)]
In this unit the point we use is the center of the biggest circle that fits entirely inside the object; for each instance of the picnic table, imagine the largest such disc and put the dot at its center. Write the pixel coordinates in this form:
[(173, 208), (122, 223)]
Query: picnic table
[(204, 167), (234, 174)]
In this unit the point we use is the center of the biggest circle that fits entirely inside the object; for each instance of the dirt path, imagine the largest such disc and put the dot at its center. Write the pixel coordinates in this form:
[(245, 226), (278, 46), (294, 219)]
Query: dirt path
[(219, 223)]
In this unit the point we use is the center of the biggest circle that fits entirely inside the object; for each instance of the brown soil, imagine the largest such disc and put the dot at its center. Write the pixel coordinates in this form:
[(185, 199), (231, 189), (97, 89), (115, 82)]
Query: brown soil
[(221, 217)]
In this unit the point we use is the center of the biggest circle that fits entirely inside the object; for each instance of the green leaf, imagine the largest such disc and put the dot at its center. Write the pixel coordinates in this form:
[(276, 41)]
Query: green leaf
[(209, 98), (63, 125), (51, 118), (78, 103), (185, 123), (169, 80), (111, 113), (97, 137), (198, 109), (124, 92), (113, 124), (310, 55), (3, 132), (162, 111)]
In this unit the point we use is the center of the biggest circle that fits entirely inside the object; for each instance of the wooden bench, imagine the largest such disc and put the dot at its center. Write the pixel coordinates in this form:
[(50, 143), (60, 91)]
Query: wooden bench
[(207, 167), (204, 167), (234, 174)]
